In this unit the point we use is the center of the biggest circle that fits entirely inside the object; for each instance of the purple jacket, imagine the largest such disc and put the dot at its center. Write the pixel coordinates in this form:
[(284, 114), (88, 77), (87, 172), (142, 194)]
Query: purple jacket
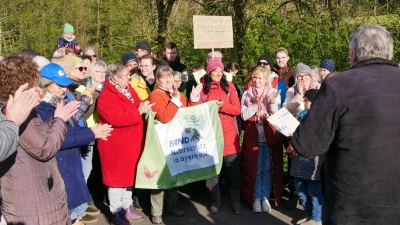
[(68, 44)]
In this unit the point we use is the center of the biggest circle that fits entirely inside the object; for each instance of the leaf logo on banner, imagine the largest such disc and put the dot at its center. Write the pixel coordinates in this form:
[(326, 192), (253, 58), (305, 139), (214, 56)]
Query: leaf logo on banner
[(195, 124), (149, 174)]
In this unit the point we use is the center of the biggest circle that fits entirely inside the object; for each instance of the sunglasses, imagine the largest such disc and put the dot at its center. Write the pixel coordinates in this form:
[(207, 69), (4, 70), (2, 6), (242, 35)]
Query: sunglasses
[(81, 68), (263, 63), (92, 56)]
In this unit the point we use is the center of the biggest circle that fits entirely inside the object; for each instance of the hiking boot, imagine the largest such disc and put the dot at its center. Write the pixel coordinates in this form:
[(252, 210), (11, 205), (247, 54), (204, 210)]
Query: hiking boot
[(92, 211), (312, 222), (89, 219), (174, 210), (292, 203), (130, 214), (257, 206), (235, 201), (266, 207), (119, 218), (136, 203), (157, 220), (303, 220), (215, 200)]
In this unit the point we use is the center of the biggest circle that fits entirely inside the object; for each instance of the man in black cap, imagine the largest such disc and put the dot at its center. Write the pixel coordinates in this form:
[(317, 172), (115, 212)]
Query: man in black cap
[(142, 48)]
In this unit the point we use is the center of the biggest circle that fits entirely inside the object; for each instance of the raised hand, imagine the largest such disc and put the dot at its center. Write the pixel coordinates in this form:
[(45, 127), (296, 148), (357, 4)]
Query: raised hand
[(176, 93), (274, 95), (196, 91), (20, 106), (66, 111), (101, 131), (145, 107), (91, 88)]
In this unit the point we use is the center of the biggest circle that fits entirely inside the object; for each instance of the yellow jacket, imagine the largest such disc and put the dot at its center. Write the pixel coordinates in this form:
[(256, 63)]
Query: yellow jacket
[(139, 84)]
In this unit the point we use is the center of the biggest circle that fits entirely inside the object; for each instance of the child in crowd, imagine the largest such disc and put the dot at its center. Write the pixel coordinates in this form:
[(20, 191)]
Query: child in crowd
[(68, 40), (306, 173)]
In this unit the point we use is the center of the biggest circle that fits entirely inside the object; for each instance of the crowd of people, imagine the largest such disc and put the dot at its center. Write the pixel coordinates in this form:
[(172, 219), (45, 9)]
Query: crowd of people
[(57, 114)]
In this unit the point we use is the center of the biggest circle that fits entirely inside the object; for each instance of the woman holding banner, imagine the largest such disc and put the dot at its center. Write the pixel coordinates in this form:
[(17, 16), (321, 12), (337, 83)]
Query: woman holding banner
[(167, 100), (262, 145), (119, 105), (216, 87)]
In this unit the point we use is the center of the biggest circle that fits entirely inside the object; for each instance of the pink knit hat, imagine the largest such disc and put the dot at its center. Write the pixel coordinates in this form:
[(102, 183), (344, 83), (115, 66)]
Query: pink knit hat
[(214, 64)]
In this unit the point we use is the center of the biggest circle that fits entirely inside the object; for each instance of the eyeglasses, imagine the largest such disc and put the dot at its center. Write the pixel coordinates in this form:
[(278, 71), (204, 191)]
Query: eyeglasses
[(304, 76), (81, 68), (92, 56), (263, 63), (177, 81), (102, 72)]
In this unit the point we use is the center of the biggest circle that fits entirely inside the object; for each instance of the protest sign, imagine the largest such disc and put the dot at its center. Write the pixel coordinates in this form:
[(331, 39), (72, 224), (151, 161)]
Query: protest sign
[(284, 122), (187, 149), (212, 32)]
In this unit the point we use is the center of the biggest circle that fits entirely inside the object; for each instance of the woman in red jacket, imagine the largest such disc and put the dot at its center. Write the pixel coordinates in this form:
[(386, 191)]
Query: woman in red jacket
[(119, 105), (216, 87), (167, 101), (262, 146)]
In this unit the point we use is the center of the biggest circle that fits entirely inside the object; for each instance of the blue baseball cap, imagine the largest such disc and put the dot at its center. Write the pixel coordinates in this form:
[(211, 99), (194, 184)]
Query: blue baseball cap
[(56, 73)]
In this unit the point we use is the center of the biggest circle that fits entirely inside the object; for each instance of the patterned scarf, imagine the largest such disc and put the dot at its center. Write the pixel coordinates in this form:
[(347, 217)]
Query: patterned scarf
[(123, 91), (261, 94), (53, 99)]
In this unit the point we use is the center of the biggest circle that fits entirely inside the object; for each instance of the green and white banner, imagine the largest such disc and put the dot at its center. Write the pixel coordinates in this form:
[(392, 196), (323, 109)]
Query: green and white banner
[(187, 149)]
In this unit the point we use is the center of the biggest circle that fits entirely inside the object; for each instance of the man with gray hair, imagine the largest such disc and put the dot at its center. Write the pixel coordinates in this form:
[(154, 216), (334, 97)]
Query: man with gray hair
[(355, 120)]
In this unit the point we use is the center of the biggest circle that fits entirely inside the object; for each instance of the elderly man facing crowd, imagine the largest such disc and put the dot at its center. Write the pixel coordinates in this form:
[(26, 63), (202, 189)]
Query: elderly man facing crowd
[(355, 120)]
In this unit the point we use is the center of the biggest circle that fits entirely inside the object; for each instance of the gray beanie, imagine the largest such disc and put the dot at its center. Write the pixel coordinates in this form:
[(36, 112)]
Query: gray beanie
[(302, 68)]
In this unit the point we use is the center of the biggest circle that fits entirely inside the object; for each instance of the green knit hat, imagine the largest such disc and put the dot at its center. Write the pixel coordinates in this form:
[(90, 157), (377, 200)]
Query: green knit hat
[(68, 28)]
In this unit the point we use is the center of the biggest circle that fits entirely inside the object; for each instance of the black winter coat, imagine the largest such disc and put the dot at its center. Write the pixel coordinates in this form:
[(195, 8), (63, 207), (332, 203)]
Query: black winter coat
[(355, 119)]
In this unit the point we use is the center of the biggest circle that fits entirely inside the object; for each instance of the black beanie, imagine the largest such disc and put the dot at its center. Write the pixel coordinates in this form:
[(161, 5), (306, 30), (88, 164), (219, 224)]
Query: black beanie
[(310, 94), (268, 59)]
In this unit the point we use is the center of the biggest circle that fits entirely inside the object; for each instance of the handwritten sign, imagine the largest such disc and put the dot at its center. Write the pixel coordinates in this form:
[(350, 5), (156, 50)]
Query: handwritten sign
[(284, 122), (212, 32)]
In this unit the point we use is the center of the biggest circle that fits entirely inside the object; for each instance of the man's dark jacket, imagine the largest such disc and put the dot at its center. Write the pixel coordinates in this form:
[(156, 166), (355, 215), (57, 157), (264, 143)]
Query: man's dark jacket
[(355, 119)]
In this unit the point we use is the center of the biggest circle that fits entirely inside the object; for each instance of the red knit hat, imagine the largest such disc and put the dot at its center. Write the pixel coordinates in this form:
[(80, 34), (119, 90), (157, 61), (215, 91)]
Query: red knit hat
[(214, 64)]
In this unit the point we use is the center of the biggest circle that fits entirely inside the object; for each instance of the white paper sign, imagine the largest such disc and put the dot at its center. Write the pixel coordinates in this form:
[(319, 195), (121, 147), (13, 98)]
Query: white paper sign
[(188, 141), (212, 32), (284, 122)]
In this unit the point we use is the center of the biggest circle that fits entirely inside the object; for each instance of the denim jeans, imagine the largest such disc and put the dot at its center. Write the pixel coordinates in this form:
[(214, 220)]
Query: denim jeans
[(310, 194), (86, 159), (263, 178), (78, 212)]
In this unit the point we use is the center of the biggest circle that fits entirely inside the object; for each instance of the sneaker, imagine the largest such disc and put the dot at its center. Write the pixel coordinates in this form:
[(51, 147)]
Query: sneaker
[(92, 211), (257, 206), (157, 220), (77, 222), (303, 220), (120, 219), (136, 203), (130, 214), (174, 210), (266, 207), (89, 219)]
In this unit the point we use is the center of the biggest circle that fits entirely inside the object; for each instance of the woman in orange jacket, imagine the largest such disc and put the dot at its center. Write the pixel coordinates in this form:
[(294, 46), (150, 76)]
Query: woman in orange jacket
[(167, 100)]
